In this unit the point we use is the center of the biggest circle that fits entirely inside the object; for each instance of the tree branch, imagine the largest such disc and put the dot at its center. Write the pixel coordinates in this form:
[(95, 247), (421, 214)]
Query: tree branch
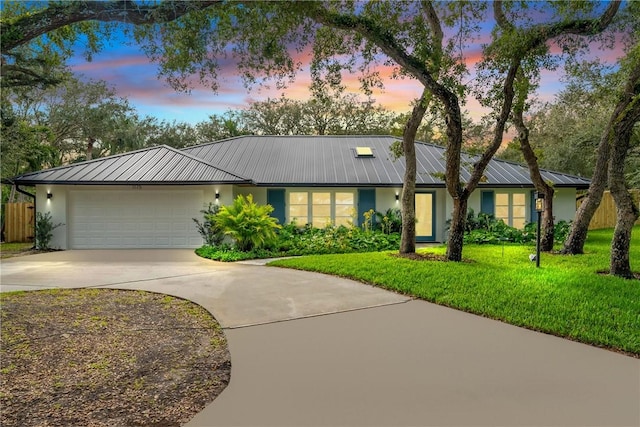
[(16, 32)]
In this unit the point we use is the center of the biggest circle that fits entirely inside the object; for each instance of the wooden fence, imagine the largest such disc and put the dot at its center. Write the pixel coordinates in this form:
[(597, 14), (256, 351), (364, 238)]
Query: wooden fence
[(19, 222), (605, 216)]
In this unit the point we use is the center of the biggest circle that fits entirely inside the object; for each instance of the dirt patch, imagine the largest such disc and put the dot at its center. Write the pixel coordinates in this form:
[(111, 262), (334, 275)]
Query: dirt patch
[(101, 357), (425, 256), (636, 274)]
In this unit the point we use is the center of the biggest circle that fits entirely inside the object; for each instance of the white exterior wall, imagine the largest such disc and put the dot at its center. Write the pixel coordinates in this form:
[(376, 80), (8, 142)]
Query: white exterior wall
[(564, 204), (386, 198), (259, 193), (58, 205)]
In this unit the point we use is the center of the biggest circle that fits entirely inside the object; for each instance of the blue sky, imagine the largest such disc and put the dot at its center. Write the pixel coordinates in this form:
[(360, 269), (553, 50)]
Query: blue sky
[(134, 77)]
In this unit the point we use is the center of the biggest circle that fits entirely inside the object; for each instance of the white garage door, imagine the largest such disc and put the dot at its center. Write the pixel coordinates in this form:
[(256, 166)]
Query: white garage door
[(134, 219)]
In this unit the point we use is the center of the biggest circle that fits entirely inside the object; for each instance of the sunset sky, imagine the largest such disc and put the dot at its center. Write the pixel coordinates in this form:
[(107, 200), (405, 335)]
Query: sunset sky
[(134, 77)]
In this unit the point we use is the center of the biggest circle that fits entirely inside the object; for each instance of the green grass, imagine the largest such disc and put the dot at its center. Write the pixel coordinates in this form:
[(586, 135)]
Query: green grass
[(566, 296), (10, 249)]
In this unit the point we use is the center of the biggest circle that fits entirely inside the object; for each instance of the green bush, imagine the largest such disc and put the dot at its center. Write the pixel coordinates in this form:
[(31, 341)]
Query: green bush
[(307, 240), (486, 229), (390, 221), (249, 224), (44, 230), (211, 233)]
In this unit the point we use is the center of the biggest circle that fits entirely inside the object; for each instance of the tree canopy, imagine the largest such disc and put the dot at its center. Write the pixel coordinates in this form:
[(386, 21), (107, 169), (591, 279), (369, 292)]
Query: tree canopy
[(426, 41)]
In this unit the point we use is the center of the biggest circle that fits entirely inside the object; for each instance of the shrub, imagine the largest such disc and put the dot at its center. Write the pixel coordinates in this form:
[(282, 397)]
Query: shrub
[(561, 231), (390, 221), (211, 233), (486, 229), (248, 223), (44, 230), (307, 240)]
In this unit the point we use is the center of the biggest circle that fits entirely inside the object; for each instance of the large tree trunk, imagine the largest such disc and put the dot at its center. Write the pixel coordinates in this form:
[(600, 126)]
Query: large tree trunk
[(574, 243), (456, 230), (627, 211), (618, 131), (408, 237), (547, 239), (627, 214)]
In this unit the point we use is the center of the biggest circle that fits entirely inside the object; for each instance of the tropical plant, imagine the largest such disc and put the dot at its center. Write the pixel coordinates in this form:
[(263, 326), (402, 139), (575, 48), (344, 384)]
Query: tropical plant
[(390, 221), (44, 230), (249, 224), (211, 233)]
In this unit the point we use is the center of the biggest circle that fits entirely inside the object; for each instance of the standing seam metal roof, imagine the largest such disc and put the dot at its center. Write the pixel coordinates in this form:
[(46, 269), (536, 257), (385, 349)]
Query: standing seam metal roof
[(285, 161), (154, 165), (331, 161)]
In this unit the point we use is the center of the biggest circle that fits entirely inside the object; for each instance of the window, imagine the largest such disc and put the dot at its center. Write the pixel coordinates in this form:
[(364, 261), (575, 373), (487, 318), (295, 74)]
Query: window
[(518, 210), (344, 208), (321, 208), (299, 207), (511, 208)]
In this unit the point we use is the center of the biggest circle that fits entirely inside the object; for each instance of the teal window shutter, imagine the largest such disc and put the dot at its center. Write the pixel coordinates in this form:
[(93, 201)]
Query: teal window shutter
[(487, 204), (275, 198), (532, 208), (366, 201)]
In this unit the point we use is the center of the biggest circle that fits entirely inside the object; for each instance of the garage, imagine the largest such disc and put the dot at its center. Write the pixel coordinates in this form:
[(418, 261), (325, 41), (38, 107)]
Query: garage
[(114, 219)]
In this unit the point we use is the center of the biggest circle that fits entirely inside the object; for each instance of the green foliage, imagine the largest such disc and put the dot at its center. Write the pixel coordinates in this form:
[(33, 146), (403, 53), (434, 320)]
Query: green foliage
[(248, 223), (486, 229), (227, 253), (566, 296), (369, 218), (293, 240), (44, 230), (390, 221), (211, 233)]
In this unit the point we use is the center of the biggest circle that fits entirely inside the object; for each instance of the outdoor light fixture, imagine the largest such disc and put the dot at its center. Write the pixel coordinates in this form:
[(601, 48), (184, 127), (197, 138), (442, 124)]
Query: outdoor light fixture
[(539, 202), (49, 195), (217, 195), (539, 209), (397, 197)]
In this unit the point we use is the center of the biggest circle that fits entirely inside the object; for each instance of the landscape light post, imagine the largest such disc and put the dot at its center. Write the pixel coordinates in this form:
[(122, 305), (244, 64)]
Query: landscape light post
[(539, 209)]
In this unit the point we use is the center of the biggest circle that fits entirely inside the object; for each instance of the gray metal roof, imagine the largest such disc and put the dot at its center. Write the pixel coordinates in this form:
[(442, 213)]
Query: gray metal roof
[(332, 161), (284, 161), (154, 165)]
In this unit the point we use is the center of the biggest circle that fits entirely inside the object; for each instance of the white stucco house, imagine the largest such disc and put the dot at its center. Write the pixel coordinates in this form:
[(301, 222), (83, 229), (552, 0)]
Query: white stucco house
[(147, 198)]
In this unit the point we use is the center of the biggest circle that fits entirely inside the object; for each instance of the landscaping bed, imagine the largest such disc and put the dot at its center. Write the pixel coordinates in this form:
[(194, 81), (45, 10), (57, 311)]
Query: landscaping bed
[(101, 357)]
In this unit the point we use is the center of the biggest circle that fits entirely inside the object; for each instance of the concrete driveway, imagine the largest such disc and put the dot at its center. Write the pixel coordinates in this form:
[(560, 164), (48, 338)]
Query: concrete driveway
[(309, 349)]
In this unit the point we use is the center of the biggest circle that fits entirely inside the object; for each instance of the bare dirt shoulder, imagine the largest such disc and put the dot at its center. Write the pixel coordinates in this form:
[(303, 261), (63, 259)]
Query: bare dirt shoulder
[(98, 357)]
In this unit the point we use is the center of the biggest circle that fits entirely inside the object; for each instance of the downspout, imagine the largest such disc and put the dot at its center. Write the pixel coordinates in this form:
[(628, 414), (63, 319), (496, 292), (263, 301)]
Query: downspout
[(21, 191)]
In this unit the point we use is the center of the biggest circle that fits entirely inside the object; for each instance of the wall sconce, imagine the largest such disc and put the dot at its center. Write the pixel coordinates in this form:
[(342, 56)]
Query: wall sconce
[(217, 195), (49, 195), (397, 197)]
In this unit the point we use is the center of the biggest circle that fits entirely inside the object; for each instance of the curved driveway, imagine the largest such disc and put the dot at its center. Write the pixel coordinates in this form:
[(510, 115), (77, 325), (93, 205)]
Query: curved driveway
[(310, 349)]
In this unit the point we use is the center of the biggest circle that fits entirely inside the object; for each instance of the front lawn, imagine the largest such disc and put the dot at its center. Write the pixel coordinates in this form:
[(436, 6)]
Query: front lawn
[(566, 296), (7, 250)]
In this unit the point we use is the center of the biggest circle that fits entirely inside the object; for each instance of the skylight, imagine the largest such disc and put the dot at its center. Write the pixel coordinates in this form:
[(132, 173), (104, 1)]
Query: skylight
[(364, 152)]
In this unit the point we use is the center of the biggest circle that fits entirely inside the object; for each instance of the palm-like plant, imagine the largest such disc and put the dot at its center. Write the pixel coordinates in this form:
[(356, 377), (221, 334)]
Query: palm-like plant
[(248, 223)]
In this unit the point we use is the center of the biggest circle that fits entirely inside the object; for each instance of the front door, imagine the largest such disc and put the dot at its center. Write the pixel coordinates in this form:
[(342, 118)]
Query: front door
[(425, 217)]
